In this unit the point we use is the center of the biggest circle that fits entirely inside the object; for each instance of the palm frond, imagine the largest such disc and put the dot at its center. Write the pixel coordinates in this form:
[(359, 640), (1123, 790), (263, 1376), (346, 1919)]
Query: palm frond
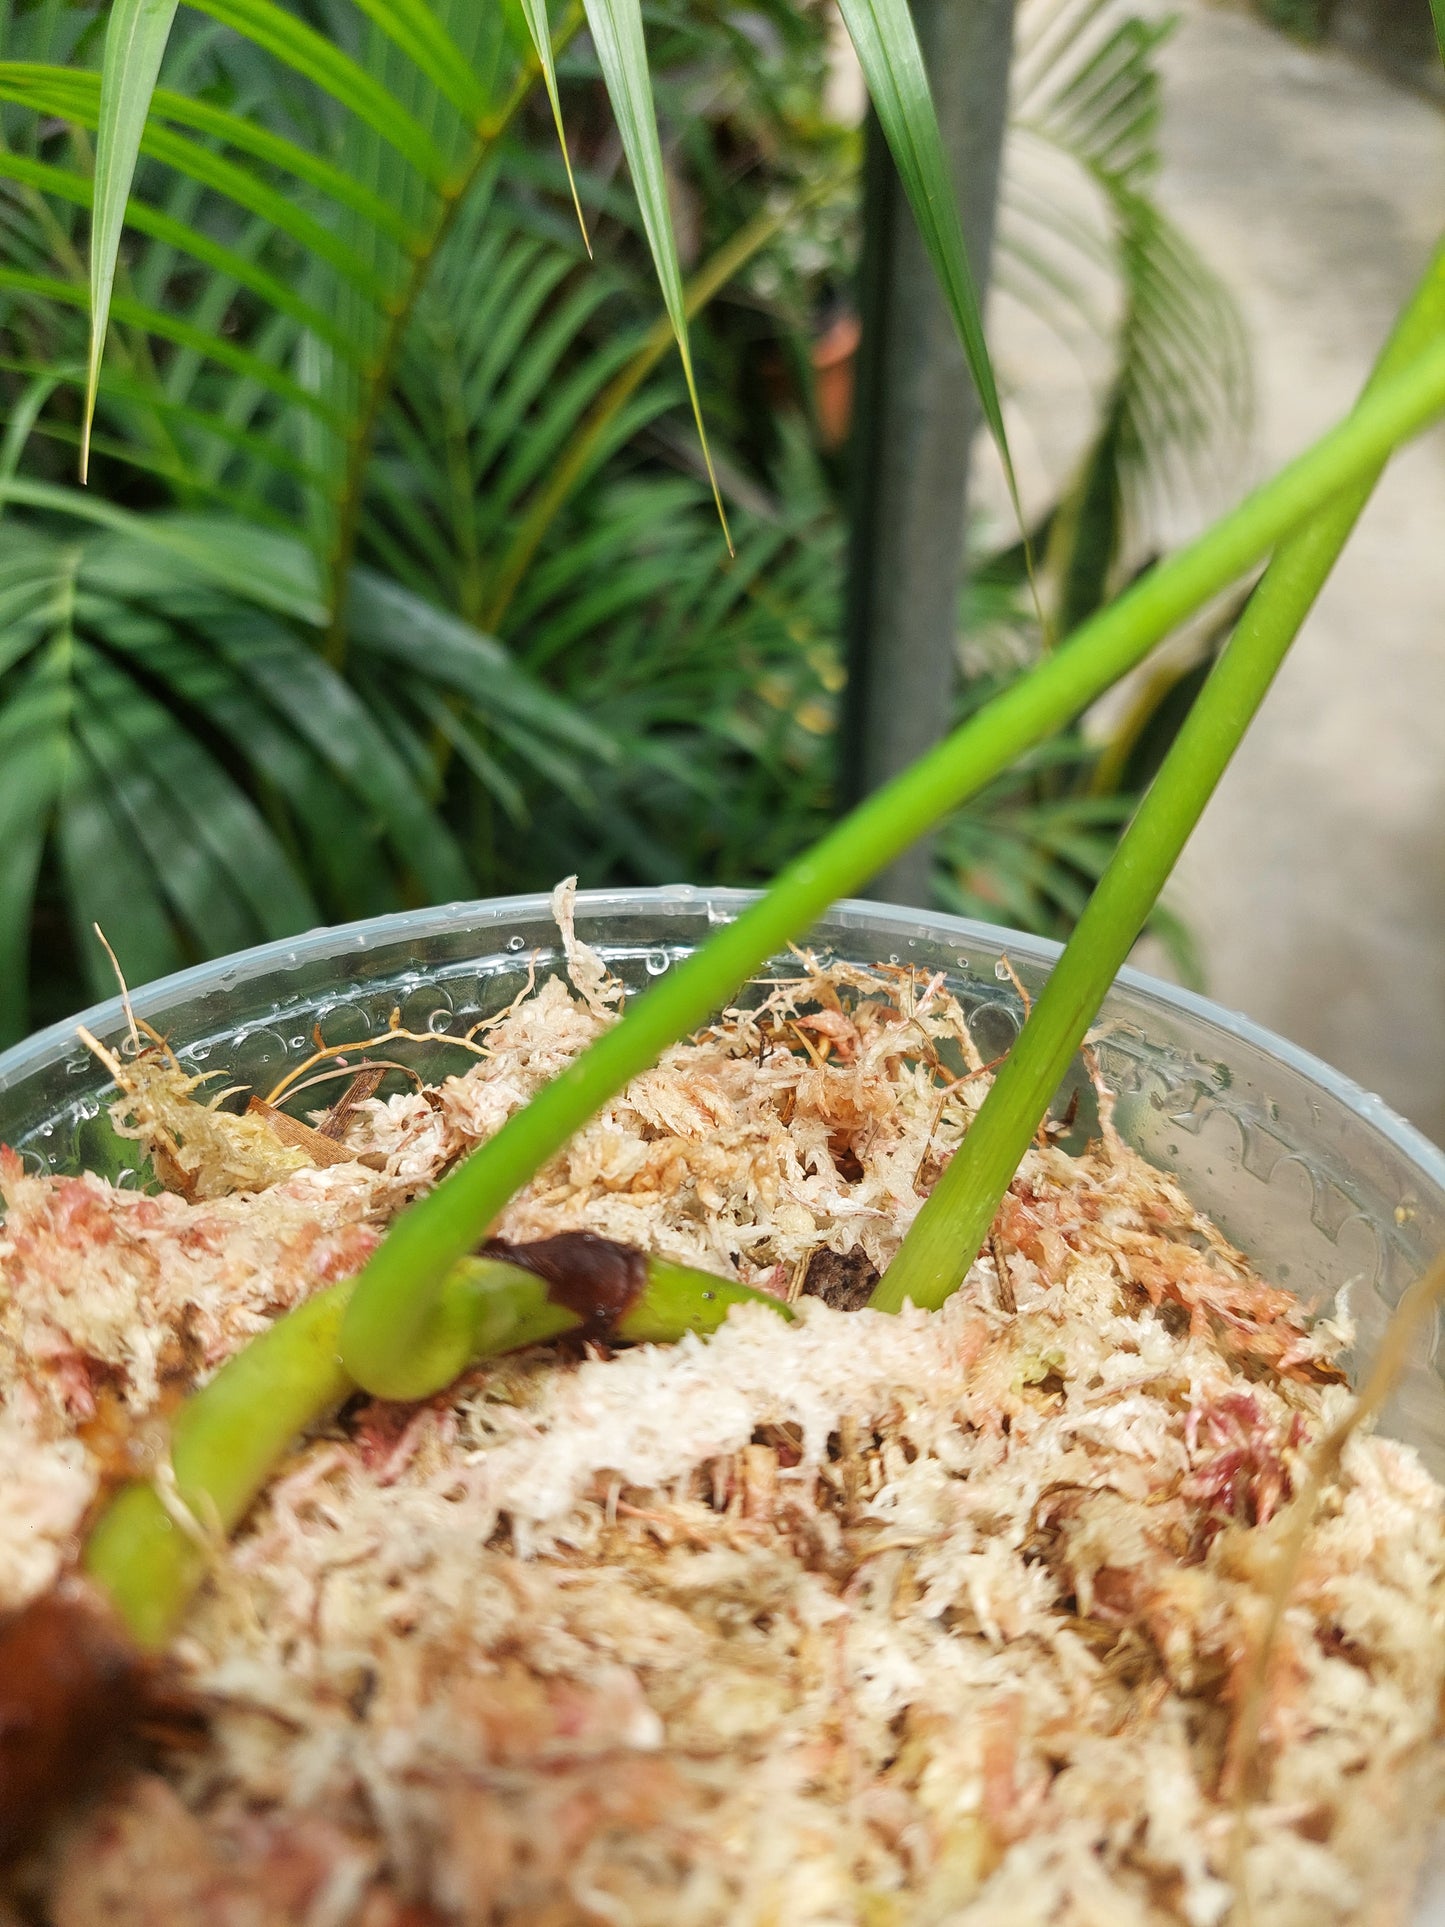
[(196, 743), (1176, 400), (135, 43), (617, 35), (32, 775), (417, 547), (330, 262)]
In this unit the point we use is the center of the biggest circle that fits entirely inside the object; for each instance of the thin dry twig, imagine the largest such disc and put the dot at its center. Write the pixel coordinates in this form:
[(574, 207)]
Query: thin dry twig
[(124, 986)]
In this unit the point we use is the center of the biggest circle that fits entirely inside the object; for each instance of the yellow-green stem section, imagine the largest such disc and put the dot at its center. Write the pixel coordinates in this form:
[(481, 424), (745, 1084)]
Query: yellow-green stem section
[(949, 1231), (224, 1443), (150, 1552)]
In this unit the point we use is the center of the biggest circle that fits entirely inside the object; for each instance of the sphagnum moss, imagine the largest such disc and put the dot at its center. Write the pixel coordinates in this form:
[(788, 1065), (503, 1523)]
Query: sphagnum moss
[(227, 1439), (833, 1452), (423, 1307), (409, 1323)]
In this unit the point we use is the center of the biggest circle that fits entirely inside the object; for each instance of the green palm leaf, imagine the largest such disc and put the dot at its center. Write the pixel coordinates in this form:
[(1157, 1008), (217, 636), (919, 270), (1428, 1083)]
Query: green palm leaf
[(419, 32), (277, 573), (212, 345), (336, 836), (212, 864), (536, 15), (32, 773), (135, 41), (390, 623), (887, 47), (110, 883), (116, 644), (187, 240), (238, 879), (322, 63), (622, 54), (75, 96), (370, 329), (612, 417)]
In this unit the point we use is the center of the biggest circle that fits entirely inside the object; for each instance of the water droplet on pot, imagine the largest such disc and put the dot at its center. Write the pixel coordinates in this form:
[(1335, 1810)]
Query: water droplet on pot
[(516, 943), (438, 1022)]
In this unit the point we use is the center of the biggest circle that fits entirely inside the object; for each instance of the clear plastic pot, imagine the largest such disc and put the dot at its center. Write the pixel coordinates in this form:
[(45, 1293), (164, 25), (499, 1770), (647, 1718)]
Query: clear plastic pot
[(1330, 1193)]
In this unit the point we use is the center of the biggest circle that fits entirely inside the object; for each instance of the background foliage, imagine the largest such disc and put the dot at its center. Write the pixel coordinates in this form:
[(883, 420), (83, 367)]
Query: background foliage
[(398, 577)]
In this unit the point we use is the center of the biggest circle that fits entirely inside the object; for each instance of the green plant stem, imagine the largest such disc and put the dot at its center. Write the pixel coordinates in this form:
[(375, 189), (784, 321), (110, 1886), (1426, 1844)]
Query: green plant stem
[(224, 1442), (228, 1438), (949, 1231), (398, 1289), (679, 1299)]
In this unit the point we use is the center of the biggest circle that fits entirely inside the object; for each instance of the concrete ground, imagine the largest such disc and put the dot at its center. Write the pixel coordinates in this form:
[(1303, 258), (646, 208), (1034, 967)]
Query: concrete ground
[(1316, 881)]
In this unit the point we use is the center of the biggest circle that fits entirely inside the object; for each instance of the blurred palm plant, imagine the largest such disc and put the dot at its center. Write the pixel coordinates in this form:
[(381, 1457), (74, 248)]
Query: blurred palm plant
[(398, 576), (1085, 249)]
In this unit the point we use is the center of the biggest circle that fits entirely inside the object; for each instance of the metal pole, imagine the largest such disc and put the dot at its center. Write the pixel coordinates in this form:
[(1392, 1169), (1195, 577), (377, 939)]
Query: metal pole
[(916, 416)]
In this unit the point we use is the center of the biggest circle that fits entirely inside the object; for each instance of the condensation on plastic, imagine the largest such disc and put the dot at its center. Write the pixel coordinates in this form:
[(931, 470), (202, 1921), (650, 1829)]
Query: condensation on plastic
[(1330, 1193)]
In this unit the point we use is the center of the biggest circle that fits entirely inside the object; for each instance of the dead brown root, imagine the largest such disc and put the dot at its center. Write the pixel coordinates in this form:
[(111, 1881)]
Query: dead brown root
[(77, 1698)]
